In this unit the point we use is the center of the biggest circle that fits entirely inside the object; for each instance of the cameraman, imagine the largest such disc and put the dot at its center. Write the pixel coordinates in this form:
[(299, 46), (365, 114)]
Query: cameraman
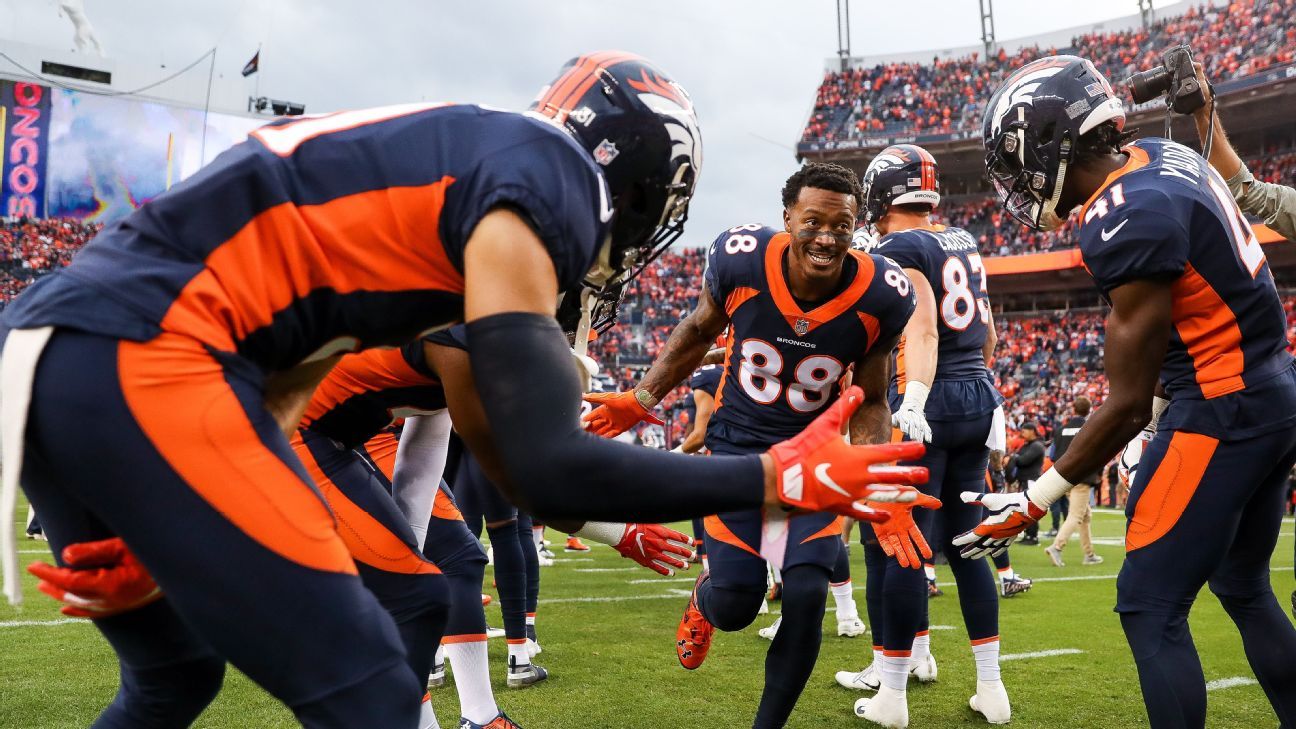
[(1274, 204)]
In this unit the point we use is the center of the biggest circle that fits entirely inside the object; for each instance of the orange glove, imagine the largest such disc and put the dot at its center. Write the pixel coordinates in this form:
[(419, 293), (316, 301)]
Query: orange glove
[(900, 537), (616, 412), (1009, 515), (802, 467), (659, 548), (101, 579)]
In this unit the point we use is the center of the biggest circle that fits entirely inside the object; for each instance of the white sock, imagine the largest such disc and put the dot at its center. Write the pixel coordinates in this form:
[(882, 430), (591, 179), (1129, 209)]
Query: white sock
[(427, 717), (440, 656), (895, 672), (844, 599), (930, 571), (1007, 573), (518, 653), (537, 536), (471, 668), (705, 564), (530, 618), (921, 647), (877, 656), (986, 655)]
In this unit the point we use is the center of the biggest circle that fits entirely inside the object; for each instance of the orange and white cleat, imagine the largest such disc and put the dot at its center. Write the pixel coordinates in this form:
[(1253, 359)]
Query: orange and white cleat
[(486, 599), (574, 544), (693, 636)]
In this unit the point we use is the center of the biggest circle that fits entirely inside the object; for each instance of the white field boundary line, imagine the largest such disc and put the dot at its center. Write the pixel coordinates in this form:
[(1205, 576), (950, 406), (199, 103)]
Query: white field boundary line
[(671, 595), (41, 623), (1041, 654), (1224, 683)]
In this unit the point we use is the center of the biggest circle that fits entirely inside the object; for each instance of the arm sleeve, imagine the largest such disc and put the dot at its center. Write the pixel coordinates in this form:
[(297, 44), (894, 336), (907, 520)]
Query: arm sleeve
[(1274, 204), (420, 462), (561, 472)]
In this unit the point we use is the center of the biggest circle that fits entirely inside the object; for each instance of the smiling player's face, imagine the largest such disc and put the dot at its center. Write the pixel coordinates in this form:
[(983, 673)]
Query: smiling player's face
[(821, 223)]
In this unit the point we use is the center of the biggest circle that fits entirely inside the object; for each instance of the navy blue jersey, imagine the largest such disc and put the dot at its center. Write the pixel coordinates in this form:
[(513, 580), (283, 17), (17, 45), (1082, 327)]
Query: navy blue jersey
[(706, 378), (784, 364), (327, 234), (1168, 215), (948, 259)]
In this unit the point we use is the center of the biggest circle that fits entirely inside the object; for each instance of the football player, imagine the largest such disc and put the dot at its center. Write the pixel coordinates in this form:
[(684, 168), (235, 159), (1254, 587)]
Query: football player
[(802, 308), (703, 384), (942, 394), (1193, 305), (193, 332)]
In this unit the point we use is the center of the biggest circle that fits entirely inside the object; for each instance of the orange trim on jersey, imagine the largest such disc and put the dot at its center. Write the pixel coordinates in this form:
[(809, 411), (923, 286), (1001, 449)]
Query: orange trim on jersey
[(368, 540), (724, 370), (738, 297), (1170, 489), (1209, 330), (825, 312), (372, 370), (983, 641), (380, 240), (871, 327), (382, 451), (834, 529), (901, 378), (466, 638), (443, 507), (1138, 158), (719, 532), (177, 393)]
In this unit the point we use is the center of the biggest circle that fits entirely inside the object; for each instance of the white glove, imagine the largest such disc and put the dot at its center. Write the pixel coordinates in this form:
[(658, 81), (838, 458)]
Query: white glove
[(1127, 466), (911, 418)]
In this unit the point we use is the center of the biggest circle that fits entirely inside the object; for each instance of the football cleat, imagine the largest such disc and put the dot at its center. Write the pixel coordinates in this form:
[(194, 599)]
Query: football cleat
[(494, 632), (889, 708), (764, 608), (533, 648), (1015, 586), (991, 701), (775, 592), (865, 680), (436, 679), (574, 544), (528, 674), (486, 599), (1093, 559), (500, 722), (771, 630), (1054, 555), (924, 670), (693, 636), (933, 590), (851, 627)]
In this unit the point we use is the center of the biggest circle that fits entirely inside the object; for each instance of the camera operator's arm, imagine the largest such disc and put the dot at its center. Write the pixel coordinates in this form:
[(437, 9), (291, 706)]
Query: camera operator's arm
[(1275, 204)]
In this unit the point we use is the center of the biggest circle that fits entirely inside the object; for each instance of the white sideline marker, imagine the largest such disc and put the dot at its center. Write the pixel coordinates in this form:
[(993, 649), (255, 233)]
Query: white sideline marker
[(1041, 654), (1223, 683)]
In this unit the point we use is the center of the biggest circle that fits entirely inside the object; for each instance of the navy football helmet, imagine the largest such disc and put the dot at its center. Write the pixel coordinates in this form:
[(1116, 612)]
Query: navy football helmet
[(1031, 128), (640, 127), (899, 175)]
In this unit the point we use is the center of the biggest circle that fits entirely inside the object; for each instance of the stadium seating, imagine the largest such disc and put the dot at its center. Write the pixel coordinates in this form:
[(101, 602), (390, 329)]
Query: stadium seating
[(1238, 39)]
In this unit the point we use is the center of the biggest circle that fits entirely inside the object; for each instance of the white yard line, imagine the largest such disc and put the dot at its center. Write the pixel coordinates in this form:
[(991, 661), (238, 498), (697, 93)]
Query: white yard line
[(607, 569), (672, 595), (659, 580), (1223, 683), (1041, 654), (36, 623)]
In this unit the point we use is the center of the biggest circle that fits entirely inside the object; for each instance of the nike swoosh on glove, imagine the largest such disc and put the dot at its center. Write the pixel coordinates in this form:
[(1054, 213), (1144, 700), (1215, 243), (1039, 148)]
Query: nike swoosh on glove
[(818, 471), (616, 412), (661, 549), (900, 537), (100, 579), (1010, 514)]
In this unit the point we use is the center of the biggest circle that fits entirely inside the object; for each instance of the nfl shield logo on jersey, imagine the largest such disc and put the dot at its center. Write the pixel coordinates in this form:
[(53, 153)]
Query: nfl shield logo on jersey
[(801, 327)]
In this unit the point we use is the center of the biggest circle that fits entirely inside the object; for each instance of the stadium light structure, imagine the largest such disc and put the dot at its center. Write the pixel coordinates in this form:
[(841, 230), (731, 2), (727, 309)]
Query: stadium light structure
[(987, 27), (843, 33), (1145, 12)]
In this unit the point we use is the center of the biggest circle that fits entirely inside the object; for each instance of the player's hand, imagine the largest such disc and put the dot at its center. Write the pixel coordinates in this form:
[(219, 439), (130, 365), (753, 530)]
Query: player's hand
[(615, 413), (1127, 464), (1010, 514), (101, 579), (900, 537), (818, 471), (912, 421), (659, 548)]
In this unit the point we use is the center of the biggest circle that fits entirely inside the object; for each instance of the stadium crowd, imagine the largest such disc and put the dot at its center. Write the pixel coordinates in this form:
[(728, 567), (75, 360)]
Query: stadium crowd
[(30, 249), (1237, 39)]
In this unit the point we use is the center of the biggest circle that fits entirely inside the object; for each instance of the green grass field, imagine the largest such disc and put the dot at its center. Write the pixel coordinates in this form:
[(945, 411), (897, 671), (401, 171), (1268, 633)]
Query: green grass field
[(607, 628)]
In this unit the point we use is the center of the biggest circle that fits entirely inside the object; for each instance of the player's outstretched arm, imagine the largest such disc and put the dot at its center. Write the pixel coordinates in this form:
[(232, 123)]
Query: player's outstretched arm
[(684, 351), (529, 392), (1138, 331), (872, 422)]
